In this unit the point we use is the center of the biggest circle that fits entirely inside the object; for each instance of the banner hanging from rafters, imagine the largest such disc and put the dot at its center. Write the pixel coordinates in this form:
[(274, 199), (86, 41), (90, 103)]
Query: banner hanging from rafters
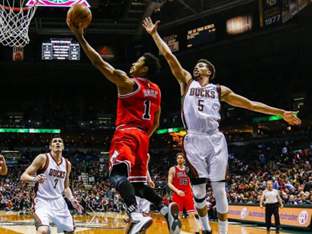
[(56, 3)]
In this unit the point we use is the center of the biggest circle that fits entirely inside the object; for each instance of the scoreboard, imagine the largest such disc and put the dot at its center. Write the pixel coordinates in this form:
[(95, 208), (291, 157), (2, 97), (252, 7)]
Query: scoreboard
[(201, 35), (60, 49)]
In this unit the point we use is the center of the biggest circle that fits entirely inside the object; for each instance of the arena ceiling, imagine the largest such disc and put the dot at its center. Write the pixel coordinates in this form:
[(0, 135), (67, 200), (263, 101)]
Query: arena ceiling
[(123, 17)]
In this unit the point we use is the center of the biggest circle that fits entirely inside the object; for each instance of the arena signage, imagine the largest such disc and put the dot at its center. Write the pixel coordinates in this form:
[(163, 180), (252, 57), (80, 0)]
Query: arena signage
[(295, 217), (56, 3)]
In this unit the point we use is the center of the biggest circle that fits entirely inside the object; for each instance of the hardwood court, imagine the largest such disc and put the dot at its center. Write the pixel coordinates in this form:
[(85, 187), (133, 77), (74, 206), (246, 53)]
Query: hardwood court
[(110, 223)]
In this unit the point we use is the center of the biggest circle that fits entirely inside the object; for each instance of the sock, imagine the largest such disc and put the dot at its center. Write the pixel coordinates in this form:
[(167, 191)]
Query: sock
[(223, 227), (149, 194), (205, 223), (127, 193)]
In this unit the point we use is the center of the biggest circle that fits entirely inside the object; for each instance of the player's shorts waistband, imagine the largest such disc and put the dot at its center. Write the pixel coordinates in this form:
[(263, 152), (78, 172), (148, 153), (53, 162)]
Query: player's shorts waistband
[(126, 126), (203, 133)]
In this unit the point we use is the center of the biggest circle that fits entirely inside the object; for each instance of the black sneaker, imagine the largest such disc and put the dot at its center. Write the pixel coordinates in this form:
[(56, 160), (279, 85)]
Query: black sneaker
[(138, 223)]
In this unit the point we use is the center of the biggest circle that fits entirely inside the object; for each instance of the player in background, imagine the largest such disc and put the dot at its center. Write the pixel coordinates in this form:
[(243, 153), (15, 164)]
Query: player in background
[(179, 183), (138, 113), (3, 166), (50, 172), (205, 146)]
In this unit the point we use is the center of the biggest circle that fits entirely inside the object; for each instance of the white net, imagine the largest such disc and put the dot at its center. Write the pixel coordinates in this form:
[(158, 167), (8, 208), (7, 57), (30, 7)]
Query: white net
[(15, 19)]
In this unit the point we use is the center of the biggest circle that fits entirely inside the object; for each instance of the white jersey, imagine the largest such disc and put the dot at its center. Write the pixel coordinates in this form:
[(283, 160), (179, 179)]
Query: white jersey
[(53, 186), (270, 196), (201, 108)]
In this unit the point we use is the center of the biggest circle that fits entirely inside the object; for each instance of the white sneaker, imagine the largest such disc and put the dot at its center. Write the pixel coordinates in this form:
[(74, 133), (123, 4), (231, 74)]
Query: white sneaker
[(173, 219), (138, 223)]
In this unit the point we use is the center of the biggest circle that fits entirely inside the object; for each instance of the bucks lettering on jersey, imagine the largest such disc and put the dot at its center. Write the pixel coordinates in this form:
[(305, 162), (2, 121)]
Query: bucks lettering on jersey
[(53, 186), (201, 107)]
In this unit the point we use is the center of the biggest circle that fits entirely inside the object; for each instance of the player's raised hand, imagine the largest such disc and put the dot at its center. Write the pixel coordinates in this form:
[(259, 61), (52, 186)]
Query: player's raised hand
[(149, 26), (291, 118), (40, 178), (77, 206), (76, 29)]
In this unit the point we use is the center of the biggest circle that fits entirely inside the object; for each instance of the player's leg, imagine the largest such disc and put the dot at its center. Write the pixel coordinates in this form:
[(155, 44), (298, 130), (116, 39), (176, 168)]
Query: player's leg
[(197, 147), (171, 212), (120, 163), (124, 161), (41, 217), (189, 206), (61, 216), (217, 174), (199, 192)]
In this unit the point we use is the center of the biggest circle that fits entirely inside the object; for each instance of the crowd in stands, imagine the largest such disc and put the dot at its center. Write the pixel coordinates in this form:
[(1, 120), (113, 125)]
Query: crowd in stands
[(287, 162)]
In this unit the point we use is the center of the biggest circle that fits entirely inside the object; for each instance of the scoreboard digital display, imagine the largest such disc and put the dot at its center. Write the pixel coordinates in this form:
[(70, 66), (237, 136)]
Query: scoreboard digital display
[(201, 35), (60, 49)]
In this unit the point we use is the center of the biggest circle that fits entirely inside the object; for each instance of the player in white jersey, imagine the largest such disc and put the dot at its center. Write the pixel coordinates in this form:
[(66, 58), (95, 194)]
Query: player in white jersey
[(205, 145), (50, 172)]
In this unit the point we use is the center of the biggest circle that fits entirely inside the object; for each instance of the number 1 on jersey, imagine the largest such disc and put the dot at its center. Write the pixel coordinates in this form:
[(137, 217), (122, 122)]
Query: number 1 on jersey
[(147, 110)]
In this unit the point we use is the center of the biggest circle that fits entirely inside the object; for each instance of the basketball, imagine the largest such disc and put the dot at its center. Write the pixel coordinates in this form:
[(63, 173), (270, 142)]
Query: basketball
[(79, 14)]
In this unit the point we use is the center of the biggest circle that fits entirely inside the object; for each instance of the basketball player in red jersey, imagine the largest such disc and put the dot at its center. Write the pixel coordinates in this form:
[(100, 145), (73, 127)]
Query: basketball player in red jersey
[(3, 166), (179, 183), (138, 113)]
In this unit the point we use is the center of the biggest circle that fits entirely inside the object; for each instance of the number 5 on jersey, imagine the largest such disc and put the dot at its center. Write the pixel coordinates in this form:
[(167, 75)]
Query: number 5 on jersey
[(201, 105)]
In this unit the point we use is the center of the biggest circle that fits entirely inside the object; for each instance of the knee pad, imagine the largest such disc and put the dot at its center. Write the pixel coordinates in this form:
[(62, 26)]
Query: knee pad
[(222, 204), (199, 192), (116, 180)]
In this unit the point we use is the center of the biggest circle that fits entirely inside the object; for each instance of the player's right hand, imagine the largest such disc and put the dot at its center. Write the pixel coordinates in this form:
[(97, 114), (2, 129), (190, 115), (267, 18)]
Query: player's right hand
[(181, 193), (149, 26), (40, 178)]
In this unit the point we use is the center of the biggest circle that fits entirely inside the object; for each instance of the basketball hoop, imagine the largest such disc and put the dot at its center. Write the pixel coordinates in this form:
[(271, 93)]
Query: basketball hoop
[(15, 19)]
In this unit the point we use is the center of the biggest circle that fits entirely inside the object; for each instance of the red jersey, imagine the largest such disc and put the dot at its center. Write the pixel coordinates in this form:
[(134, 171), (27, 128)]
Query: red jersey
[(137, 109), (181, 180)]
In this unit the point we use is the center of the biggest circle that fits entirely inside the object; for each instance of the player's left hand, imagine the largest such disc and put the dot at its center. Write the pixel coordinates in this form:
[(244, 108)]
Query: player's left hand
[(149, 26), (77, 206), (291, 118), (151, 183)]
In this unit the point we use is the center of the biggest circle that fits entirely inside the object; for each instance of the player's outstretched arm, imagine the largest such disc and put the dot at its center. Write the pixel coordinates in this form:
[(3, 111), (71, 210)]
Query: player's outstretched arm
[(118, 77), (3, 166), (233, 99), (177, 70), (67, 191), (29, 174)]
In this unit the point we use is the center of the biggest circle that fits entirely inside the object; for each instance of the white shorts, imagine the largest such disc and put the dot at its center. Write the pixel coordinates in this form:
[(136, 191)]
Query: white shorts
[(143, 205), (55, 211), (207, 155)]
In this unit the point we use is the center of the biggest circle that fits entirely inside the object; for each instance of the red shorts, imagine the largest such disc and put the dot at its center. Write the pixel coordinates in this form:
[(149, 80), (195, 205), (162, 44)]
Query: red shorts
[(130, 146), (184, 203)]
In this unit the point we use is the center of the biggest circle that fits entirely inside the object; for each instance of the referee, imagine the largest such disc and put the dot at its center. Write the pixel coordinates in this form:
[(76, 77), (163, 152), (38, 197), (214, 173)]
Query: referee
[(272, 200)]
